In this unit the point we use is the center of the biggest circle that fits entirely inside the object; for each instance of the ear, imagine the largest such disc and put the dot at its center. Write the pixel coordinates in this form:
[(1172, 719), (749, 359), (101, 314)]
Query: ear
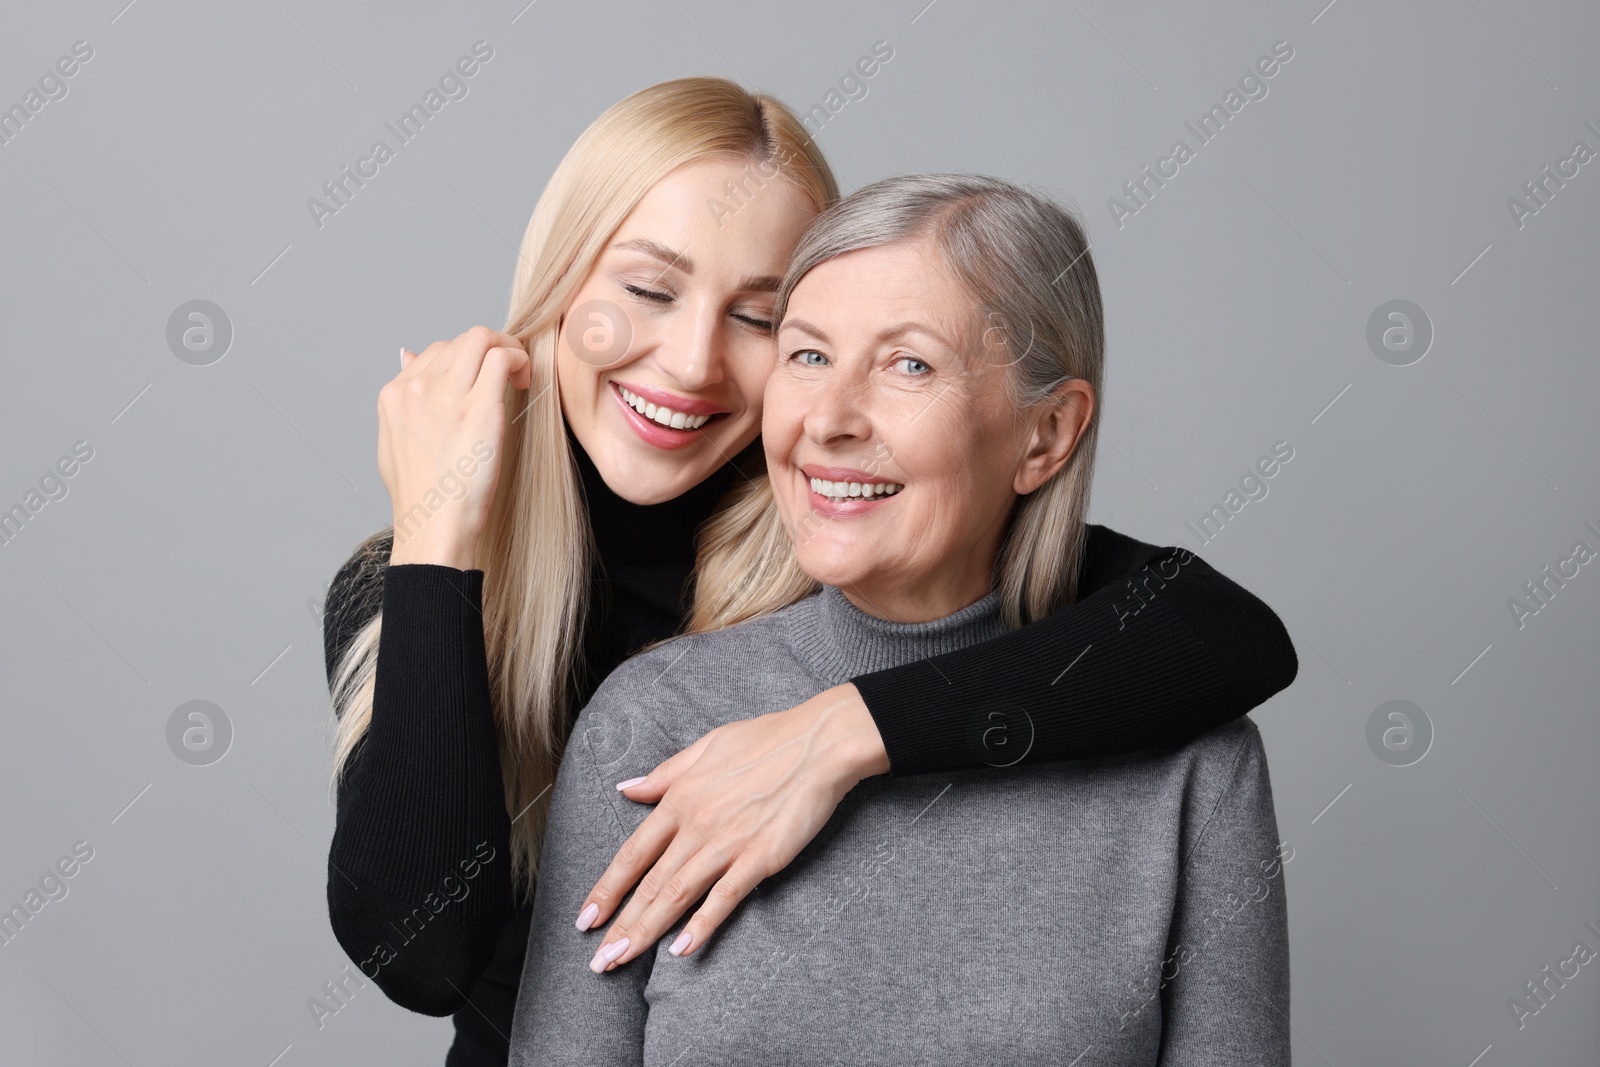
[(1058, 423)]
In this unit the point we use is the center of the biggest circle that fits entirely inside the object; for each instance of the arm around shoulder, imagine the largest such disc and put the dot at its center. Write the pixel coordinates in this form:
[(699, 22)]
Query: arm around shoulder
[(1158, 648)]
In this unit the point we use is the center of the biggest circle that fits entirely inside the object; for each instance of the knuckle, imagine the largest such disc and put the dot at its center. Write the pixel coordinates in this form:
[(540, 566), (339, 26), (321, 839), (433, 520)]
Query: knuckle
[(480, 333), (650, 886), (628, 854), (727, 892)]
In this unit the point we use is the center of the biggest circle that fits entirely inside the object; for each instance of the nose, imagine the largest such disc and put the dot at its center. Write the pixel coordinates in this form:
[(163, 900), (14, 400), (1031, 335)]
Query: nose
[(839, 411), (694, 347)]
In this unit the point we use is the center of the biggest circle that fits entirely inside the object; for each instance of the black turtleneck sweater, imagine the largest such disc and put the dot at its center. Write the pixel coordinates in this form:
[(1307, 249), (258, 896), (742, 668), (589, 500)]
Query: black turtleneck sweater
[(1158, 648)]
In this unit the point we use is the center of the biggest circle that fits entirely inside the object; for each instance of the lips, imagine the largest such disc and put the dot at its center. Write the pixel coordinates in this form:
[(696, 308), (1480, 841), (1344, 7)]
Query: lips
[(666, 421), (846, 491), (660, 398)]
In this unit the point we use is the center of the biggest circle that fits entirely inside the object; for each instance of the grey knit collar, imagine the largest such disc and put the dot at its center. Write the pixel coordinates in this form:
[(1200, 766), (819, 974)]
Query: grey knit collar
[(839, 640)]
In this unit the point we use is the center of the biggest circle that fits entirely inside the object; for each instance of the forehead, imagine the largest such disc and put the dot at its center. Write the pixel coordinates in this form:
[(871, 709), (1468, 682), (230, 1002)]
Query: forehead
[(862, 290), (722, 214)]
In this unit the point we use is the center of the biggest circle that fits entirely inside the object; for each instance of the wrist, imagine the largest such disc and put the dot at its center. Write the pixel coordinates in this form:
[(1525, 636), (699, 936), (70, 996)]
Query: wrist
[(436, 547), (857, 749)]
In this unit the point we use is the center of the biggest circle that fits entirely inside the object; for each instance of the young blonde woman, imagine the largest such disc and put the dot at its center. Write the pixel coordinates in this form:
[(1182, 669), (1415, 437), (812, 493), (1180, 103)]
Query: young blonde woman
[(551, 483)]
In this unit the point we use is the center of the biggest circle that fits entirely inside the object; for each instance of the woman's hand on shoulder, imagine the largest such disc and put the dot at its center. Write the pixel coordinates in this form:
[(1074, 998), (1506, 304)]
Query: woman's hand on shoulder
[(733, 808), (441, 422)]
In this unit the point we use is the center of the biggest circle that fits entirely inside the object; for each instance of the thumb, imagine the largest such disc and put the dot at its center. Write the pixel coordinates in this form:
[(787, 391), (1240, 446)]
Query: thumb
[(653, 786)]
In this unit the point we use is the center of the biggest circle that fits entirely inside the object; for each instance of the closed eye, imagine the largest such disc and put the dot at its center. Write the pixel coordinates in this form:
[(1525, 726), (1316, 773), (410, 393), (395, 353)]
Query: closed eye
[(655, 297), (764, 325), (649, 294)]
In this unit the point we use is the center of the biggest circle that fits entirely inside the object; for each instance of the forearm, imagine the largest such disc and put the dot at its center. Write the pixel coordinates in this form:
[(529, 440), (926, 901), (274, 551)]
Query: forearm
[(1158, 648), (422, 960), (421, 797)]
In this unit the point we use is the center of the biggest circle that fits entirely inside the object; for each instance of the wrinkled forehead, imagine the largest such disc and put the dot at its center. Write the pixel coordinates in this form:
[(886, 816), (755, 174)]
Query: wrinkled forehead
[(882, 291)]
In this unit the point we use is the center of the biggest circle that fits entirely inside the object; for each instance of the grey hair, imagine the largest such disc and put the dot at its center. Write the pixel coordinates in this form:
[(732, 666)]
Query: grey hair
[(1025, 261)]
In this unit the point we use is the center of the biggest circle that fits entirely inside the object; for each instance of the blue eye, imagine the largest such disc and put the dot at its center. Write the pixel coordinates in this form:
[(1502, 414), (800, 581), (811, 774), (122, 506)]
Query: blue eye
[(809, 357), (912, 365)]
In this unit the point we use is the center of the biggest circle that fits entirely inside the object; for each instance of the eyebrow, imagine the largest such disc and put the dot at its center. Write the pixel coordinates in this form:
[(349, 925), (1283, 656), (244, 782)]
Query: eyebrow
[(674, 260), (888, 333), (657, 250)]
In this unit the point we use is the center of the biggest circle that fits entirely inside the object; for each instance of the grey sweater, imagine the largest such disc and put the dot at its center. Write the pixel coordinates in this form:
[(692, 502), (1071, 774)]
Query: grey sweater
[(1123, 910)]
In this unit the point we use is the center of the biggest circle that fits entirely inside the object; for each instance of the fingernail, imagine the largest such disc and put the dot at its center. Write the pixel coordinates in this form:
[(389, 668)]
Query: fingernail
[(630, 783), (606, 954), (587, 916), (402, 355), (681, 945)]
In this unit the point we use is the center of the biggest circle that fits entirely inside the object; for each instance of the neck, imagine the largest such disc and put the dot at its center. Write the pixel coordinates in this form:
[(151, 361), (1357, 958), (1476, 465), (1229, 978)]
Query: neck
[(918, 601), (967, 577), (842, 641), (967, 574), (647, 532)]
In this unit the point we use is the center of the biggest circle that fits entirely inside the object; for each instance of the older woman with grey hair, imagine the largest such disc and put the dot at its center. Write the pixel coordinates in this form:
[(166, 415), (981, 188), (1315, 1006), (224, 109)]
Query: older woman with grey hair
[(930, 438)]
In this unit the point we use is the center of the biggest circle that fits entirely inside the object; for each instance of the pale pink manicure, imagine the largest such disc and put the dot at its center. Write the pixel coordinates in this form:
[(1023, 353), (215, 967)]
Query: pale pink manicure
[(587, 916), (607, 954), (630, 783), (681, 945)]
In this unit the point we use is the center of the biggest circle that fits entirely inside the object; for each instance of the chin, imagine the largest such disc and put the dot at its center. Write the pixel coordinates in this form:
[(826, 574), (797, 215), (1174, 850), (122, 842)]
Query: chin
[(645, 479), (644, 475), (837, 565)]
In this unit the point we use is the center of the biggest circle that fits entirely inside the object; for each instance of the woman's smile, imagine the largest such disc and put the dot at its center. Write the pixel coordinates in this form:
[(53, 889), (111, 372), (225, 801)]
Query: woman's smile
[(842, 492), (664, 419)]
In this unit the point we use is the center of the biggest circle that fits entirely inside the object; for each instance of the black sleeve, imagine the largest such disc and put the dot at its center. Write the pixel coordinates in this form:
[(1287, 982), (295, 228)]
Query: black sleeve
[(1158, 648), (419, 879)]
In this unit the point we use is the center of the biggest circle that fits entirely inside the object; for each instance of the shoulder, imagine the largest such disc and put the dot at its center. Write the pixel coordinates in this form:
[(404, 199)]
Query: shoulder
[(1223, 751), (689, 684), (1225, 770), (1104, 543), (1110, 555), (354, 596)]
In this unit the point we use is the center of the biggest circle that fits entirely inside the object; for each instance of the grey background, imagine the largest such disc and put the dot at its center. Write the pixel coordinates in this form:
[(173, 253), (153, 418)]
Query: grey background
[(189, 557)]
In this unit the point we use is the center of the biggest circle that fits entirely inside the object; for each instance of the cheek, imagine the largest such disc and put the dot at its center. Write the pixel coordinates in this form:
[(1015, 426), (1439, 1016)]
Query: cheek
[(580, 369), (576, 383), (964, 458), (782, 409), (751, 374)]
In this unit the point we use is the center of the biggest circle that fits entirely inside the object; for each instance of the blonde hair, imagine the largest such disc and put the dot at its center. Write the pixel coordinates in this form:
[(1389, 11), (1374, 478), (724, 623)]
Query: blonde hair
[(1025, 261), (537, 549)]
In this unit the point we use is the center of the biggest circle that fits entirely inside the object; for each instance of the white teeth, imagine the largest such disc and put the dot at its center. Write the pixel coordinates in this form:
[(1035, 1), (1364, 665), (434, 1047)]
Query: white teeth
[(845, 490), (678, 420)]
